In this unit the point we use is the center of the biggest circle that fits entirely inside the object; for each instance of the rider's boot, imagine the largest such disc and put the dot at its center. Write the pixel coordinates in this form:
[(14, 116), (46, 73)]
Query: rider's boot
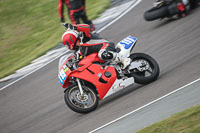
[(116, 57), (124, 60)]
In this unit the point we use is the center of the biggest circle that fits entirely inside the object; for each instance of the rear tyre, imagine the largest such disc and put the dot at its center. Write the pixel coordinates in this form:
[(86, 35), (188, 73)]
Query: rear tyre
[(81, 104), (148, 72), (156, 13)]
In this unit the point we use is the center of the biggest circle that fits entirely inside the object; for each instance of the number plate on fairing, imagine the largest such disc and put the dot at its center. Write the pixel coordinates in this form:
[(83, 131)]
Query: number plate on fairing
[(128, 42), (62, 76)]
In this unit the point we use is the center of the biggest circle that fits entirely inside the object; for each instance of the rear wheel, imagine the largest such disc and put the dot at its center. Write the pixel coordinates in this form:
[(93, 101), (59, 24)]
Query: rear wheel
[(156, 13), (81, 103), (147, 72)]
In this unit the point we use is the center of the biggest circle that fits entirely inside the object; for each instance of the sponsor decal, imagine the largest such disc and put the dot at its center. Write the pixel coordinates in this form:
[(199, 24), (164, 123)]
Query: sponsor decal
[(128, 42), (66, 69), (62, 76)]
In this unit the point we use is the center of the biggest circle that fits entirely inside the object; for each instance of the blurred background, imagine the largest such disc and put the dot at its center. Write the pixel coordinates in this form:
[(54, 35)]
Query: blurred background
[(30, 28)]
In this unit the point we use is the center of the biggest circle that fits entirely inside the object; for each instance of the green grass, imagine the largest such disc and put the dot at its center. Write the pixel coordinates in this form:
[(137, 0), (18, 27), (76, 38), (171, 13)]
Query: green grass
[(187, 121), (29, 28)]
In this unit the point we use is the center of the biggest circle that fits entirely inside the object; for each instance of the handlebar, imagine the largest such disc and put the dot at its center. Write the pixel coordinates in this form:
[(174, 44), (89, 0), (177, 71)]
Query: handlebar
[(69, 26)]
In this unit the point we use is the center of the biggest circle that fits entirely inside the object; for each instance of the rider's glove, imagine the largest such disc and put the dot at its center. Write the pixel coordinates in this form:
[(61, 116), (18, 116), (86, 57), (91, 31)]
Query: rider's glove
[(70, 26)]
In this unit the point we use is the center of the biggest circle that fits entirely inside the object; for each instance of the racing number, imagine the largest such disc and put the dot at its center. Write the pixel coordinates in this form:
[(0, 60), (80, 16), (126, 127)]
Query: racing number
[(128, 42), (62, 76)]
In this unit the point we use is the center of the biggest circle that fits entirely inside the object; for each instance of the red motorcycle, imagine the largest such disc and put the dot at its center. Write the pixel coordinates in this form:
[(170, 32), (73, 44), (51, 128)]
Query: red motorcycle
[(88, 79)]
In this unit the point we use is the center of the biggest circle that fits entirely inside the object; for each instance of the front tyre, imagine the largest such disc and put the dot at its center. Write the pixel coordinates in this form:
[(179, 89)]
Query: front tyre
[(147, 72), (81, 103)]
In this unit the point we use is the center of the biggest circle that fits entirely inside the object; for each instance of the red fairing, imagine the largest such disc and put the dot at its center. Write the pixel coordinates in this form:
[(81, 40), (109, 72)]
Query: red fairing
[(93, 73), (90, 58)]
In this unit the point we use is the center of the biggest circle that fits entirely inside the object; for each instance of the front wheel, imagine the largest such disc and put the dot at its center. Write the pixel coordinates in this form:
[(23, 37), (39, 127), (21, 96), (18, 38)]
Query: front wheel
[(147, 72), (81, 103)]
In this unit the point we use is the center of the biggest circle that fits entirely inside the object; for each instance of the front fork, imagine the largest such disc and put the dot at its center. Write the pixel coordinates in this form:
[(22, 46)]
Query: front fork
[(79, 85)]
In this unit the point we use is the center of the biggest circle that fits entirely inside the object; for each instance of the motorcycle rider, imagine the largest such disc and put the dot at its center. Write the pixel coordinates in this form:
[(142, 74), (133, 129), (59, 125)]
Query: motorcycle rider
[(79, 38), (76, 11)]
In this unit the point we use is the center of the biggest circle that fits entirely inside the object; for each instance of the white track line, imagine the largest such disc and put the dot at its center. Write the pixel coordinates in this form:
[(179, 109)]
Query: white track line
[(144, 106), (31, 72), (135, 3)]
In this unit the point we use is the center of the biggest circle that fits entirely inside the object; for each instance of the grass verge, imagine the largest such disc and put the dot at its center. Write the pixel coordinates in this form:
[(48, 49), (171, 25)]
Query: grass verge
[(29, 28), (187, 121)]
